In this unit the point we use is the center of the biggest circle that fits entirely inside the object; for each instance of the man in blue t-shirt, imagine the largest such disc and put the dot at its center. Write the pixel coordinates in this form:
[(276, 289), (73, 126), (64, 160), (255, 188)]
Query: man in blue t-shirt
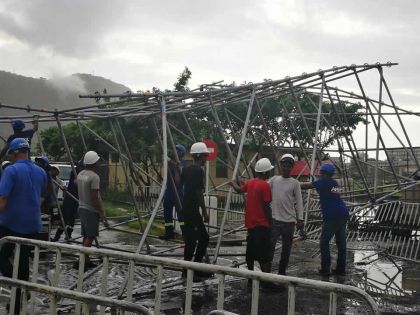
[(21, 187), (335, 215), (18, 132)]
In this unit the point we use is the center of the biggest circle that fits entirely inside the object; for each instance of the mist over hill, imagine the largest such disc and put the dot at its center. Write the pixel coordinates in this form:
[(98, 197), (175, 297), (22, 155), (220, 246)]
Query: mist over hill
[(54, 93)]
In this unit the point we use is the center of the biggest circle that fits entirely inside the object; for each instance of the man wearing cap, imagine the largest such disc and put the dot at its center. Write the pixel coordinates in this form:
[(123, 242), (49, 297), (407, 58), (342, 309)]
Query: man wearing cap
[(174, 193), (287, 207), (196, 237), (90, 203), (18, 132), (21, 187), (257, 215), (335, 215)]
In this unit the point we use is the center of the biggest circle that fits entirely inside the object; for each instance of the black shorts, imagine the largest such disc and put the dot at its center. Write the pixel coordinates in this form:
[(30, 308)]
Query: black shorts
[(258, 243), (90, 223)]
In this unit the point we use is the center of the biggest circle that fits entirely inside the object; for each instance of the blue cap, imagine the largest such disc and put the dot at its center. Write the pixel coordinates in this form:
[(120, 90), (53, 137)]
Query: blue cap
[(18, 124), (18, 144), (44, 159), (327, 168), (181, 149)]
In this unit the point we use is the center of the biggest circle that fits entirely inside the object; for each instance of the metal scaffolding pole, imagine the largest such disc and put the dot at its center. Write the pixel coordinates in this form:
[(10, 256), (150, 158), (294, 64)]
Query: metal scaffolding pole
[(116, 151), (399, 118), (347, 140), (82, 136), (235, 171), (162, 190), (127, 176), (314, 152), (375, 184), (377, 129), (66, 146), (265, 130)]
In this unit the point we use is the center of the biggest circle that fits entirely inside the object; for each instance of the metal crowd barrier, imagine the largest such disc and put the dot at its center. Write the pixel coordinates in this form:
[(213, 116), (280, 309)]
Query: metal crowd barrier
[(160, 263)]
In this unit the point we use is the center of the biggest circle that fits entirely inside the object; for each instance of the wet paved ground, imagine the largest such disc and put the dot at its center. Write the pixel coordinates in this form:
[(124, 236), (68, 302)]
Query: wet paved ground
[(394, 284)]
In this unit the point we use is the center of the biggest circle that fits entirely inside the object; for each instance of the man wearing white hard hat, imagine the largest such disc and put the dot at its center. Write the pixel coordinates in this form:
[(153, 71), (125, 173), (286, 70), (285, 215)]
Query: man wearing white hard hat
[(90, 203), (287, 207), (257, 215), (196, 237)]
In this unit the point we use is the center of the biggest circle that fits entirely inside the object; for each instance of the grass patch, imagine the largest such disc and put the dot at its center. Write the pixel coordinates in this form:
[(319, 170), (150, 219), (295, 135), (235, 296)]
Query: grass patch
[(157, 228), (115, 209)]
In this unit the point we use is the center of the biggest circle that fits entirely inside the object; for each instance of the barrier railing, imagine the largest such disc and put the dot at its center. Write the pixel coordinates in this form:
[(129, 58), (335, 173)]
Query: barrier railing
[(160, 263)]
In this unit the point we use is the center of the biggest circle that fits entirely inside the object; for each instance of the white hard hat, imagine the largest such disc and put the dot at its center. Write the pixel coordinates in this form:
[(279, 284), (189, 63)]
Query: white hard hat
[(90, 158), (287, 156), (263, 165), (199, 148)]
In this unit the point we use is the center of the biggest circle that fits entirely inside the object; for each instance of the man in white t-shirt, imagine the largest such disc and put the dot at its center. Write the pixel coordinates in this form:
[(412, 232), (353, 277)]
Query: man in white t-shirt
[(287, 210), (90, 203)]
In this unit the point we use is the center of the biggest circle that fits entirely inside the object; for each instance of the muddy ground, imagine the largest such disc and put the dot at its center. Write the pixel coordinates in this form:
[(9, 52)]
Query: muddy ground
[(393, 283)]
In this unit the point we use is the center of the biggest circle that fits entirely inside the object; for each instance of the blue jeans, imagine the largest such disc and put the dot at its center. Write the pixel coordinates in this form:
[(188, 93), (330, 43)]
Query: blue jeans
[(329, 229)]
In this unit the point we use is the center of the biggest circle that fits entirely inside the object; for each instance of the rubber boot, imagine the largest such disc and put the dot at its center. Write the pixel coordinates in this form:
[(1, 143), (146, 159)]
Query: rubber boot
[(69, 231), (169, 233), (58, 233)]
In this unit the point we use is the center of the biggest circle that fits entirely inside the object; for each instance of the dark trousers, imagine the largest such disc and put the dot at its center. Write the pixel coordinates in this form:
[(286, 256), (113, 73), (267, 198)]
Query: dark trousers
[(6, 252), (69, 211), (286, 231), (258, 246), (196, 239), (170, 201), (332, 228)]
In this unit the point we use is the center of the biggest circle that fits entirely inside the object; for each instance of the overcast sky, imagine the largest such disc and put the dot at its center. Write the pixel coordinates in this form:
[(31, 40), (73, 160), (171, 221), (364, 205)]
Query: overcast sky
[(147, 43)]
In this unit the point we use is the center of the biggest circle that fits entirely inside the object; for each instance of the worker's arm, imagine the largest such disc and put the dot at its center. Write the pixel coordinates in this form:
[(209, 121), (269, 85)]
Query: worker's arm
[(300, 223), (267, 211), (200, 196), (96, 200), (236, 186), (6, 186), (306, 186), (3, 201)]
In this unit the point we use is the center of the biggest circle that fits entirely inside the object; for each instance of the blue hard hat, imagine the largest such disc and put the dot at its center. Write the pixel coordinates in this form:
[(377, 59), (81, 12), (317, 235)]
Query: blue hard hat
[(18, 124), (181, 149), (327, 168), (18, 144), (44, 159)]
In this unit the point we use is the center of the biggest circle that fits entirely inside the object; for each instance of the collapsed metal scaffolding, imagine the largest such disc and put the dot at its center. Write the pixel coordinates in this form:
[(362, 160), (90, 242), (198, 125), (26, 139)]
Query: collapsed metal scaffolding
[(369, 223)]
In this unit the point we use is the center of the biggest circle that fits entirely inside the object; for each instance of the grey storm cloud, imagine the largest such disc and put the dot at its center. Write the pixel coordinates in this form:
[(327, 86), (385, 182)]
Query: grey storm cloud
[(148, 42), (78, 27), (73, 28)]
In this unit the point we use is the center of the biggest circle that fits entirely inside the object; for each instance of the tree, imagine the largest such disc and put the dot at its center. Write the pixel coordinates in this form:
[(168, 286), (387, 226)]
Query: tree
[(182, 81)]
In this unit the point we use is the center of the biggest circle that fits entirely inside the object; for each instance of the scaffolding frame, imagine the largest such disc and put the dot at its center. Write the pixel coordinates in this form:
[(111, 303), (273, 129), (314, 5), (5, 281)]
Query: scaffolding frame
[(161, 105)]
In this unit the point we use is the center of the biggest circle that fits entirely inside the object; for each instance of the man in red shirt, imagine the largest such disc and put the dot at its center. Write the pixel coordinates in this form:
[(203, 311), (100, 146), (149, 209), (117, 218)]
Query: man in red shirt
[(258, 215)]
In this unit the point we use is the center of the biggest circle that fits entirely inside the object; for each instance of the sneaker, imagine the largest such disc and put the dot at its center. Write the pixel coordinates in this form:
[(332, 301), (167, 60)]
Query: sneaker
[(324, 272), (338, 272)]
